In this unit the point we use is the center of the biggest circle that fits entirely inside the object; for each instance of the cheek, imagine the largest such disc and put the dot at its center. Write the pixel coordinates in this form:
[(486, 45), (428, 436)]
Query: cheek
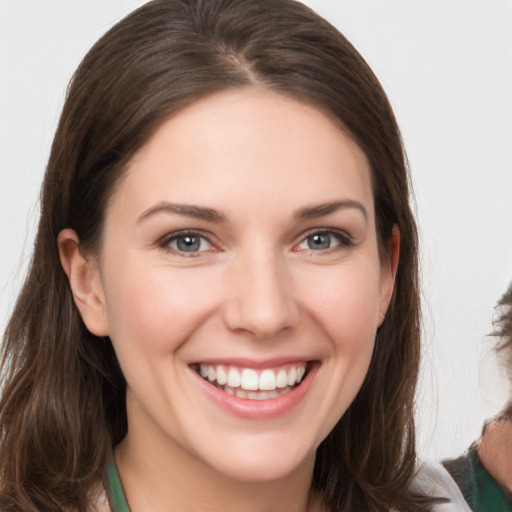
[(345, 303), (344, 309), (156, 308)]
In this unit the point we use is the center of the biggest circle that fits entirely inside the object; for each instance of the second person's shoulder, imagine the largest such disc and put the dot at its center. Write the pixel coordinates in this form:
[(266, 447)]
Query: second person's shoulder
[(434, 481)]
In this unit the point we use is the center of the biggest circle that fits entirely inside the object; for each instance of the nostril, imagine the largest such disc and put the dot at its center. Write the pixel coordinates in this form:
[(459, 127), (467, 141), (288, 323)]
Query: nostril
[(262, 318)]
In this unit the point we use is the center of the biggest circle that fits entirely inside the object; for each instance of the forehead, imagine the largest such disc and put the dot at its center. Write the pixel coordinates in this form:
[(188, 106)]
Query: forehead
[(247, 145)]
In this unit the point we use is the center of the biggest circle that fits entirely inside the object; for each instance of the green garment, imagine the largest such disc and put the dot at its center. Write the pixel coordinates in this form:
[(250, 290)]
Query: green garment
[(480, 490), (117, 498)]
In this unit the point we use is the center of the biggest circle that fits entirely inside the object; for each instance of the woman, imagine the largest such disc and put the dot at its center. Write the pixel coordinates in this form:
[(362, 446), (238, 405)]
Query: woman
[(222, 309), (484, 473)]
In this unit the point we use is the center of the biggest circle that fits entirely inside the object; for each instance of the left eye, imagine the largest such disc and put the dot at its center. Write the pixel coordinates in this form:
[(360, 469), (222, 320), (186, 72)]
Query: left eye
[(188, 243), (321, 241)]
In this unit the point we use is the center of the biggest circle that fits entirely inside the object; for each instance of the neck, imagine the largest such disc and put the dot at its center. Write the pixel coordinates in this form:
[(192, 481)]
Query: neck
[(495, 451)]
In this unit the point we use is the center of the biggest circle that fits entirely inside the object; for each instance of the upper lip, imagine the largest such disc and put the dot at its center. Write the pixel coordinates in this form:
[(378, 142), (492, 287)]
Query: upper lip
[(252, 363)]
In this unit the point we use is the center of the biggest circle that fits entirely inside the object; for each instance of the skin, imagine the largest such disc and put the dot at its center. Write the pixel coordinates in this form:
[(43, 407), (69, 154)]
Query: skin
[(494, 450), (254, 291)]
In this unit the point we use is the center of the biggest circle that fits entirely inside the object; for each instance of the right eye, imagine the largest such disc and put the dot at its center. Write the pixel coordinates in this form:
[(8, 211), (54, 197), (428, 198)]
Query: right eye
[(186, 243)]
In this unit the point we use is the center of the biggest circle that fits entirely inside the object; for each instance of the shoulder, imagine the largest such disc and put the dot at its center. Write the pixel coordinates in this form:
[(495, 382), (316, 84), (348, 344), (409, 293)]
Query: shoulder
[(99, 499), (434, 481), (478, 486)]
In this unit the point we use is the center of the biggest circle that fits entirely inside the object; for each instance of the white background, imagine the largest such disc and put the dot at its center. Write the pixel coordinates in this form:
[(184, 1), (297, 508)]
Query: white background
[(447, 68)]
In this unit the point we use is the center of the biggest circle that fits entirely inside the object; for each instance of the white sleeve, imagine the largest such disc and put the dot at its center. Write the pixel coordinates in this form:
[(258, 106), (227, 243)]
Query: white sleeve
[(433, 480)]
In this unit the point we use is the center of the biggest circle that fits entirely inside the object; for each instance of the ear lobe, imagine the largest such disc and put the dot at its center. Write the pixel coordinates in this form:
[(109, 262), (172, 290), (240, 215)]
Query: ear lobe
[(85, 283), (388, 271)]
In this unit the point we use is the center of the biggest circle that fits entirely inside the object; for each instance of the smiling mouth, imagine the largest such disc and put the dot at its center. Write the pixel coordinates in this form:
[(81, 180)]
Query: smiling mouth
[(252, 384)]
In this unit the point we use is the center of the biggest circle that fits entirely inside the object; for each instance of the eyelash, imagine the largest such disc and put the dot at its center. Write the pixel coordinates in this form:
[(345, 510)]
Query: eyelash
[(165, 243), (344, 242)]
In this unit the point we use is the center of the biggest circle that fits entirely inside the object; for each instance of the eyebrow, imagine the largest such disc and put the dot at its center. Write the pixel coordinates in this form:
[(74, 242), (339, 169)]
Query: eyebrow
[(196, 212), (212, 215), (313, 212)]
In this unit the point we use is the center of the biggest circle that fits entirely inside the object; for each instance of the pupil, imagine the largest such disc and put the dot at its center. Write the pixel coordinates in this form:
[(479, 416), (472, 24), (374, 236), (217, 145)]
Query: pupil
[(188, 243), (319, 242)]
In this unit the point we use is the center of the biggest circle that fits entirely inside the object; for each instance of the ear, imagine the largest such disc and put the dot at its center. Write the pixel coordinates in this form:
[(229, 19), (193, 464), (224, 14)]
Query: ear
[(388, 272), (85, 282)]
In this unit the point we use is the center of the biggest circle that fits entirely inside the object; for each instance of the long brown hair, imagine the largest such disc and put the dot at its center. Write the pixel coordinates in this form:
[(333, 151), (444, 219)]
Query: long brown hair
[(63, 404)]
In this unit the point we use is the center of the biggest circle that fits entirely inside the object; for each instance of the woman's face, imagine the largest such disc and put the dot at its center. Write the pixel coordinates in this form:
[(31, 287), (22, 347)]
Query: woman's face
[(240, 283)]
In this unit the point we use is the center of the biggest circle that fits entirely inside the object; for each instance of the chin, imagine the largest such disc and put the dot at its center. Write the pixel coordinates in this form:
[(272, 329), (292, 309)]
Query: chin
[(263, 462)]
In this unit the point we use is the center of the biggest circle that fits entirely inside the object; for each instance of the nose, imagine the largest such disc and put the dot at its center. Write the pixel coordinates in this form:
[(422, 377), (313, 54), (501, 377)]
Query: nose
[(260, 296)]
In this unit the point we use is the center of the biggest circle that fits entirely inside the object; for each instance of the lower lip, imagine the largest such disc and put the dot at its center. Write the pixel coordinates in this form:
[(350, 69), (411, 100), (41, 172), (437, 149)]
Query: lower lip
[(258, 409)]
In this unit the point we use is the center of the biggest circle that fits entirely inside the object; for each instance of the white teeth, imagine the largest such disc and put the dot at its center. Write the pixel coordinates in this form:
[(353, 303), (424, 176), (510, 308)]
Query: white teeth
[(262, 395), (282, 379), (222, 376), (267, 380), (233, 378), (240, 393), (256, 395), (292, 376), (249, 379), (252, 384)]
